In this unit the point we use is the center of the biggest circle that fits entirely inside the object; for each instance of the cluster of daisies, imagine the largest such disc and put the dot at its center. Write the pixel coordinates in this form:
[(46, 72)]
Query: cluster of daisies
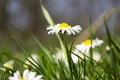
[(27, 74), (79, 50)]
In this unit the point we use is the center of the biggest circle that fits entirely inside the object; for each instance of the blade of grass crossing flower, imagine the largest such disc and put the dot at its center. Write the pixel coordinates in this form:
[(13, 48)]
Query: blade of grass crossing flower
[(91, 36), (91, 50), (37, 63), (51, 22), (36, 67), (74, 67)]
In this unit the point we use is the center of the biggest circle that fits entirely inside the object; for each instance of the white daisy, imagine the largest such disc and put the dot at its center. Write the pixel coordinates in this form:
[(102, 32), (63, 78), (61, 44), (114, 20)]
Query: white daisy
[(29, 60), (60, 56), (9, 64), (96, 56), (27, 75), (74, 57), (64, 27), (85, 46)]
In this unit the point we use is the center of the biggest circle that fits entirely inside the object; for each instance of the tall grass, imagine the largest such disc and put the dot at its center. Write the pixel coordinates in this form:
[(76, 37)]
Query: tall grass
[(51, 68)]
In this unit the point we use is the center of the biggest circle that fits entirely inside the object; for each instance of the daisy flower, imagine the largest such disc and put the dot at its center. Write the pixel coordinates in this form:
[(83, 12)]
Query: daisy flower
[(96, 56), (59, 55), (74, 57), (27, 75), (9, 64), (64, 28), (85, 46), (29, 60)]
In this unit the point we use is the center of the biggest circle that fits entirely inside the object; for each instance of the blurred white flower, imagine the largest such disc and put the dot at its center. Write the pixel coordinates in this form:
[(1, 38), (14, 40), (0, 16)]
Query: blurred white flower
[(59, 55), (27, 75), (9, 64), (107, 48), (74, 57), (96, 56), (76, 54), (85, 46), (29, 60), (64, 27)]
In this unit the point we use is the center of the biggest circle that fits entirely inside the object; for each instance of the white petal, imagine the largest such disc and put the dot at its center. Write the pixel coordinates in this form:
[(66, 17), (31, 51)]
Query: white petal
[(72, 31), (31, 75), (96, 56), (63, 31), (50, 28), (38, 77), (51, 32), (74, 58), (77, 27), (57, 30), (17, 74), (25, 74), (15, 77), (57, 25), (68, 32), (12, 78), (83, 48)]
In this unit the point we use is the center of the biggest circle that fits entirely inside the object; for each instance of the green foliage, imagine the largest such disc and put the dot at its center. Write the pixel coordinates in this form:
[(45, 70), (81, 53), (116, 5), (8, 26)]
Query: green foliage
[(51, 68)]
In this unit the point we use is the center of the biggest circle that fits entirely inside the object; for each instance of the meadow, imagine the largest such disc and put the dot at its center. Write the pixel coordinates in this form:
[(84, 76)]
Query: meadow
[(91, 59)]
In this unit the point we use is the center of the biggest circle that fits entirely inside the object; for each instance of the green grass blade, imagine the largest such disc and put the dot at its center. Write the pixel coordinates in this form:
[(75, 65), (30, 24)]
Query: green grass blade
[(46, 14)]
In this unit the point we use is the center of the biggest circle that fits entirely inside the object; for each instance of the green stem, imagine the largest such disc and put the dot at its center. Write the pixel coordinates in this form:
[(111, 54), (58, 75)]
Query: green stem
[(67, 53)]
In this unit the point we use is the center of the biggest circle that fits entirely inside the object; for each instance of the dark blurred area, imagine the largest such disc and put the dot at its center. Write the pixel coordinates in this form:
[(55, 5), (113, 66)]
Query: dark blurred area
[(18, 18)]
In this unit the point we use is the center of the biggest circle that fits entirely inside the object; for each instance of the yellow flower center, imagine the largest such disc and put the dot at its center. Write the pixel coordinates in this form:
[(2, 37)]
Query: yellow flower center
[(87, 42), (23, 78), (8, 65), (64, 25)]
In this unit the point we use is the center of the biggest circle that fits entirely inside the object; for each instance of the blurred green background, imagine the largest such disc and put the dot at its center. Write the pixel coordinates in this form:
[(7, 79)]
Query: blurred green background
[(20, 18)]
